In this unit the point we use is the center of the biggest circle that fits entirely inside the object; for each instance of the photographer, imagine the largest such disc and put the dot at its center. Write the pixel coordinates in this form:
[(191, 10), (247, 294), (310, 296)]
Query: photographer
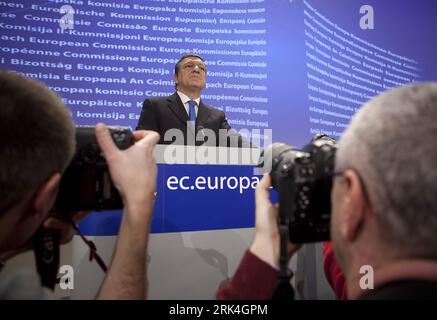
[(37, 144), (384, 206)]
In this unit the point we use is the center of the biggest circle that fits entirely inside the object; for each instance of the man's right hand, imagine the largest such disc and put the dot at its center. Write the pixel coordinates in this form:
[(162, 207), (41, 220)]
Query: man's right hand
[(133, 170)]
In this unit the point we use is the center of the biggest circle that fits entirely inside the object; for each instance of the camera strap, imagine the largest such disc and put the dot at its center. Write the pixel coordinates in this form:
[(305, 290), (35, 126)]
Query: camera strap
[(46, 249), (93, 249), (284, 290), (47, 254)]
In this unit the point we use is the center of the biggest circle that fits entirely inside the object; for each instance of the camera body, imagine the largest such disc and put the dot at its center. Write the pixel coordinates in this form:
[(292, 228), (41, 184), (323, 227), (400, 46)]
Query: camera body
[(303, 179), (86, 184)]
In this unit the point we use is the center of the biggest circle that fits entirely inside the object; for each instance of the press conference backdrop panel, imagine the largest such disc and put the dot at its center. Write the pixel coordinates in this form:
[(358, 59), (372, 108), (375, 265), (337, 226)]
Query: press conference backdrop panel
[(298, 67)]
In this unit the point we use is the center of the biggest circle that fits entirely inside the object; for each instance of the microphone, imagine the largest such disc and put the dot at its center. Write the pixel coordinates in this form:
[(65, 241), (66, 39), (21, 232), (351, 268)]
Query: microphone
[(200, 132)]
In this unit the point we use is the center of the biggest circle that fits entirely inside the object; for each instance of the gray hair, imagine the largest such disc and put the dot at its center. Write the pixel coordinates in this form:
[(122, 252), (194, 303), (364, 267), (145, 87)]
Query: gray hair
[(391, 143), (37, 137)]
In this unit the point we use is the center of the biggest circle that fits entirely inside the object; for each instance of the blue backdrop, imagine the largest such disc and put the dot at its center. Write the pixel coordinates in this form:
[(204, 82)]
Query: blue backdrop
[(297, 67)]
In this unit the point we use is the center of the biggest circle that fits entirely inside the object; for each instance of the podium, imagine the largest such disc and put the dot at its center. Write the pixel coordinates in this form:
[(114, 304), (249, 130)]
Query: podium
[(202, 224)]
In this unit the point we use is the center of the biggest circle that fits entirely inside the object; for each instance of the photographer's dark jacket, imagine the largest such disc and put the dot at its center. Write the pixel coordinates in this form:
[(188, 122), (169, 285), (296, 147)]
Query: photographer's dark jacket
[(256, 280), (415, 279)]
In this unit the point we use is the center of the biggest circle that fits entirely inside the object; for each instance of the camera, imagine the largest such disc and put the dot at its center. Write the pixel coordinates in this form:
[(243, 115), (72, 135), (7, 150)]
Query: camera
[(86, 184), (303, 179)]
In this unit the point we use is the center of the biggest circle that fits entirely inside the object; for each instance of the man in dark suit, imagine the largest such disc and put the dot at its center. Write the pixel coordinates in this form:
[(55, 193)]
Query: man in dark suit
[(183, 118)]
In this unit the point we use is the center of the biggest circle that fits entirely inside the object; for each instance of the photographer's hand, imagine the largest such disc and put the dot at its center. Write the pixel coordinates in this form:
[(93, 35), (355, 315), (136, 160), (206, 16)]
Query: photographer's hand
[(133, 172), (266, 242)]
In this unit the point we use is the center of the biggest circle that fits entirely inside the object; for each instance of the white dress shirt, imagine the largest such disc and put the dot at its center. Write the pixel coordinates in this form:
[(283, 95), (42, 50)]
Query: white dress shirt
[(185, 100)]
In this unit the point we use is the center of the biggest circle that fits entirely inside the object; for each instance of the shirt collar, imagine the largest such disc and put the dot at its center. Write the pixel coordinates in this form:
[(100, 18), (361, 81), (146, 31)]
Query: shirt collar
[(185, 99)]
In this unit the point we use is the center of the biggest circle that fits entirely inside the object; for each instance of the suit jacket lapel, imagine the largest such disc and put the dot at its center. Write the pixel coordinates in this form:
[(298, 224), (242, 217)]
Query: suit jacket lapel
[(175, 104), (202, 115)]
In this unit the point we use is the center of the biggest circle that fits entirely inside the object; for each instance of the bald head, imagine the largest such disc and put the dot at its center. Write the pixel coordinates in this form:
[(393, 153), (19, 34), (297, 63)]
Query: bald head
[(391, 143)]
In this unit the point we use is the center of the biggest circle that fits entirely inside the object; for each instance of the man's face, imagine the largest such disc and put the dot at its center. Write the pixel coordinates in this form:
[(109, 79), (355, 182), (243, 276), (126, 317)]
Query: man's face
[(192, 75)]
